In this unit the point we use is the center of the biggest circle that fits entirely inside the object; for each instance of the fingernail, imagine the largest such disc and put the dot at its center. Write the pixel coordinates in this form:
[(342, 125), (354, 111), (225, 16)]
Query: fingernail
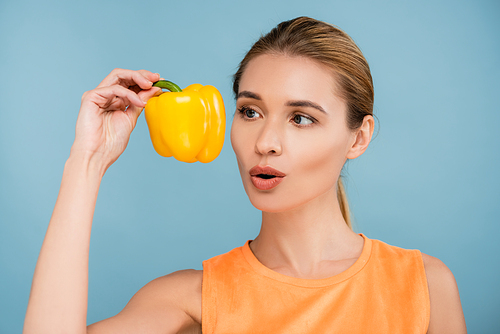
[(158, 74)]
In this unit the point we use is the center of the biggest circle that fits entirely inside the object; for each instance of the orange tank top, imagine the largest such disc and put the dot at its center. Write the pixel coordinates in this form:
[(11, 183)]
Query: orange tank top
[(384, 291)]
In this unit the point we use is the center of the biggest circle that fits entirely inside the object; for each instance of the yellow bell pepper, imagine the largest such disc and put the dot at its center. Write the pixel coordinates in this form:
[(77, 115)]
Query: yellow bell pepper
[(187, 124)]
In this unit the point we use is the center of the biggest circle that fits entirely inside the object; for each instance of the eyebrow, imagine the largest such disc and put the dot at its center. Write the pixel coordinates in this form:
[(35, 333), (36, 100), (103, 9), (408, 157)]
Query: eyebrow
[(295, 103), (305, 103), (248, 94)]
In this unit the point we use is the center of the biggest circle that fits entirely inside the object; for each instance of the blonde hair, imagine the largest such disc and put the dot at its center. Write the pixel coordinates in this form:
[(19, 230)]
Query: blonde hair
[(327, 44)]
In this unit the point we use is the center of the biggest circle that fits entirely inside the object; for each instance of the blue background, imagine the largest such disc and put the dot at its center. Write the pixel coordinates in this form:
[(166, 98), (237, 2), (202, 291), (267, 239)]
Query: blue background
[(428, 181)]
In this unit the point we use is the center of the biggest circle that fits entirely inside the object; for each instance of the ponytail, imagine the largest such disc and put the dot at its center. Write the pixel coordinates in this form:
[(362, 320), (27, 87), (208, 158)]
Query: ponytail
[(343, 203)]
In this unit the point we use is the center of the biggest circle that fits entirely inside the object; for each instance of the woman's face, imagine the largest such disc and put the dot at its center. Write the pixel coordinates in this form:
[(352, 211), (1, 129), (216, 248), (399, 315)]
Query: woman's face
[(289, 132)]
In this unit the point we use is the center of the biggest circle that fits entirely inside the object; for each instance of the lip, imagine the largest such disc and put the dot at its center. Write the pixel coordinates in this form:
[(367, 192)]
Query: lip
[(265, 184), (266, 170)]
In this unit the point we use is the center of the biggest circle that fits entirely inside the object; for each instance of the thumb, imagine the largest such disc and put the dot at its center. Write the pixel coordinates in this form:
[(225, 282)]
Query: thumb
[(144, 95)]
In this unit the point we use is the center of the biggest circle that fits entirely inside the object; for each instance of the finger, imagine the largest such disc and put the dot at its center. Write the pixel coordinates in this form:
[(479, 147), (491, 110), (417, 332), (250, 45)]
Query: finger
[(104, 97), (159, 92), (137, 89), (153, 77), (145, 95), (117, 104), (128, 78), (108, 103)]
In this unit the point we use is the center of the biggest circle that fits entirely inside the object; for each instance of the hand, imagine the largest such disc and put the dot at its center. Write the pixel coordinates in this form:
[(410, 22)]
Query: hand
[(109, 113)]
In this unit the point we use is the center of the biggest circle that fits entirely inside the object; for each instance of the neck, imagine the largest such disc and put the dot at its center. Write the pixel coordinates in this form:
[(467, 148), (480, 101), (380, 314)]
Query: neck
[(308, 241)]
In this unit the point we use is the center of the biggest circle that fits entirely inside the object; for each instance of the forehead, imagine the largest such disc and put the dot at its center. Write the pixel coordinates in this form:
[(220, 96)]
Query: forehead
[(289, 77)]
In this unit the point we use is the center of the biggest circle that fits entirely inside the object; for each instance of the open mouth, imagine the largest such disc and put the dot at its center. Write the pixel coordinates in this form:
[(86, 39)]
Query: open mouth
[(266, 181), (266, 176)]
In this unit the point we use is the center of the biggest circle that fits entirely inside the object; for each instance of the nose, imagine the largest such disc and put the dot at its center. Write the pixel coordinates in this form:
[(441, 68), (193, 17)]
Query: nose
[(269, 141)]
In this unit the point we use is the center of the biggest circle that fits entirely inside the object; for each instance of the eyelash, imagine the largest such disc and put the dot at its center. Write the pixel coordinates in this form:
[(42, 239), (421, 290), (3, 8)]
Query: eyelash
[(243, 109)]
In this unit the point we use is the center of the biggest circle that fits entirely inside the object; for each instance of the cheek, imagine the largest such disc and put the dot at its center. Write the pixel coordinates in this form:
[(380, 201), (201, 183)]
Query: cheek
[(239, 142), (235, 139), (318, 161)]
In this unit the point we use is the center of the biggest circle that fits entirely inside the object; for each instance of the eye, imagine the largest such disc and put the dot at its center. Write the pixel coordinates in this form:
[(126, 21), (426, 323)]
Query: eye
[(302, 120), (248, 113)]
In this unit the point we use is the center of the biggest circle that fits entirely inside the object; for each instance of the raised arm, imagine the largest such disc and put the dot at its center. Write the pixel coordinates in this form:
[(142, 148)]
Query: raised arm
[(108, 114)]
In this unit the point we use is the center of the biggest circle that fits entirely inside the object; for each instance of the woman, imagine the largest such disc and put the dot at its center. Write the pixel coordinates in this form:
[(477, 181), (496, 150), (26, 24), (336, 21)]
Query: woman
[(304, 106)]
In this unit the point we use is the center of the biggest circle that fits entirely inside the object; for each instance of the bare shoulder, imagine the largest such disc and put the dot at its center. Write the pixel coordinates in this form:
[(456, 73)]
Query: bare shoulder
[(168, 304), (435, 269), (446, 309), (181, 287)]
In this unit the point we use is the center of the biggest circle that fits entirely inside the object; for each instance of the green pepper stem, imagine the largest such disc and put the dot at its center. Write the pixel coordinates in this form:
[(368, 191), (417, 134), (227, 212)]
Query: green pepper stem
[(167, 85)]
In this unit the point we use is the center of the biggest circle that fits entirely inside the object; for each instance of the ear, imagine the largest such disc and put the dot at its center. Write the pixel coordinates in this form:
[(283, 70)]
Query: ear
[(362, 138)]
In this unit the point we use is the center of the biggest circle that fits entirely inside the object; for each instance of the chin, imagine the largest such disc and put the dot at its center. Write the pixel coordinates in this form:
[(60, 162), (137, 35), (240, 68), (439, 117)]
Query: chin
[(286, 199), (273, 202), (271, 207)]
